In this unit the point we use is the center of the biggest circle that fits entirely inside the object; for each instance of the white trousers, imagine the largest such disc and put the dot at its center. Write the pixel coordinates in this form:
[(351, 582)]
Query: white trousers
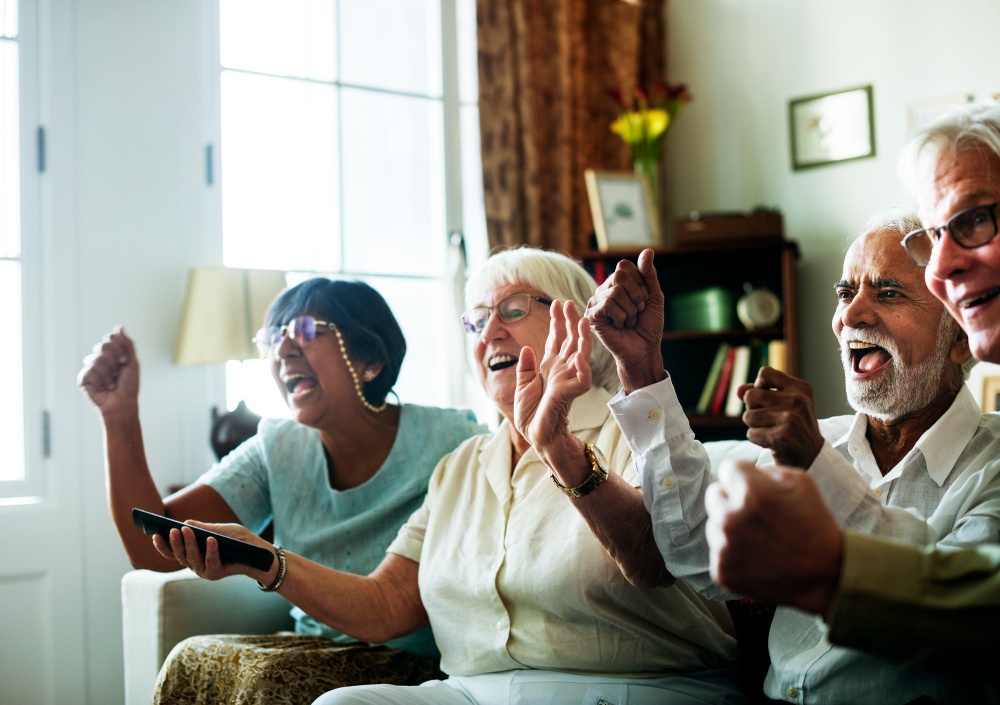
[(534, 687)]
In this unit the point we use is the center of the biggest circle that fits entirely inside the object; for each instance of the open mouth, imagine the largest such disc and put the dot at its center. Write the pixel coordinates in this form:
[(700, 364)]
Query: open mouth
[(867, 357), (299, 385), (979, 299), (501, 362)]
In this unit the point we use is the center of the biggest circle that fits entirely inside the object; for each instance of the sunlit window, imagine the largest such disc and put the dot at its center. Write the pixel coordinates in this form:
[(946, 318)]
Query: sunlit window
[(334, 119), (12, 463)]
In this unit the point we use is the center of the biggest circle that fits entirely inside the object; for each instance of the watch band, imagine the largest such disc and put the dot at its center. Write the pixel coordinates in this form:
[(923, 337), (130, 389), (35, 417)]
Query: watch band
[(598, 474)]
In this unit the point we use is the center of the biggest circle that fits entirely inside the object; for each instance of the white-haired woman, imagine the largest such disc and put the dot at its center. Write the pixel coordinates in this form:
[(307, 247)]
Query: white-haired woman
[(525, 603)]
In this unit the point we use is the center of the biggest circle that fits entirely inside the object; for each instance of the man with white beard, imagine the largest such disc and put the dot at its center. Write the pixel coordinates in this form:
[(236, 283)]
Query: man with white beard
[(916, 463)]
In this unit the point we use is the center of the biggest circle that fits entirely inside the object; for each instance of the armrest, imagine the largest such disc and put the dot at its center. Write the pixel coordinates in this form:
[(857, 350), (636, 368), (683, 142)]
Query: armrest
[(159, 610)]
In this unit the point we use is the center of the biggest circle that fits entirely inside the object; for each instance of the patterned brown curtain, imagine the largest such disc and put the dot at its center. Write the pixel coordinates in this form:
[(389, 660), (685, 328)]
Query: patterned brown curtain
[(545, 67)]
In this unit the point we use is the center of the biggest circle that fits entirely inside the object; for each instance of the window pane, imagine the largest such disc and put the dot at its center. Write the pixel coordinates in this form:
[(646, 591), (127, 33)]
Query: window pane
[(394, 196), (288, 38), (468, 54), (280, 203), (473, 208), (392, 44), (10, 191), (8, 18), (251, 381), (11, 391)]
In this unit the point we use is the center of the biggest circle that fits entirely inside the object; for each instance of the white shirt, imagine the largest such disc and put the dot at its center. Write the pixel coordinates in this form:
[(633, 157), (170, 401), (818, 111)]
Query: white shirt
[(512, 577), (945, 491)]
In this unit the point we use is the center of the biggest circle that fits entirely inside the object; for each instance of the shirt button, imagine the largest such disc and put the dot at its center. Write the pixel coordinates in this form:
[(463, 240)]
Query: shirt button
[(668, 483), (655, 415), (792, 693), (878, 491), (500, 626)]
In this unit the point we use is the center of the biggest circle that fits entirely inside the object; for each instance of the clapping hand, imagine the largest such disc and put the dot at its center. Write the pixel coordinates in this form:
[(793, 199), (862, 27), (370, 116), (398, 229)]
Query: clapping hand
[(626, 313), (545, 392)]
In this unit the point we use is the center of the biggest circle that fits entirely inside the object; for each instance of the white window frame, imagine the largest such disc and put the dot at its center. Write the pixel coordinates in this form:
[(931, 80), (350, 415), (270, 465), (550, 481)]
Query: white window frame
[(458, 393), (34, 485)]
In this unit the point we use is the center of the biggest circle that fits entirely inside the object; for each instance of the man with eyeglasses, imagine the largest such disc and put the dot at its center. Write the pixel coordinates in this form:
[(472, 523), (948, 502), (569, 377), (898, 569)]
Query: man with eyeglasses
[(770, 532)]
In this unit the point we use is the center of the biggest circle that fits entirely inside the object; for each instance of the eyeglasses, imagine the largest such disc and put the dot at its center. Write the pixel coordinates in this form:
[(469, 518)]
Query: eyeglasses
[(510, 310), (301, 329), (969, 228)]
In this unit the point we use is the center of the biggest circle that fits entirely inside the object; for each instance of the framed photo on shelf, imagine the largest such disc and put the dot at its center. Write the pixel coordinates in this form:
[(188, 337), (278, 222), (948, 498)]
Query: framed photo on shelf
[(832, 127), (621, 204), (991, 394)]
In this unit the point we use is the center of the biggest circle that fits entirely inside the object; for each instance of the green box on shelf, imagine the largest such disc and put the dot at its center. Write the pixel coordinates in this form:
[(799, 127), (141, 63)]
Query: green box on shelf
[(710, 309)]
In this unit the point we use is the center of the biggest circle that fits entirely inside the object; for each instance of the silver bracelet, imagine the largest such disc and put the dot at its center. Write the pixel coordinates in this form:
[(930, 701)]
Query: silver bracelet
[(282, 569)]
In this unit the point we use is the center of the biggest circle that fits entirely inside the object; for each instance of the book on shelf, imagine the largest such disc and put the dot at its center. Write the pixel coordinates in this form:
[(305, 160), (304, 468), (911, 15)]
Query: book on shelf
[(776, 355), (712, 381), (722, 388), (741, 366), (732, 367)]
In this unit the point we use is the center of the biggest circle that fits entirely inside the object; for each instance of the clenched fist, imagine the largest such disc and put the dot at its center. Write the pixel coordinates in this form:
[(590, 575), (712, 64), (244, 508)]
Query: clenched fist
[(110, 375), (626, 313), (781, 416)]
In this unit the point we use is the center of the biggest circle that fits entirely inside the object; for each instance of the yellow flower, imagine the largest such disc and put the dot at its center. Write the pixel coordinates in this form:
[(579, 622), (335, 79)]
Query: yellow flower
[(657, 122), (629, 126), (641, 126)]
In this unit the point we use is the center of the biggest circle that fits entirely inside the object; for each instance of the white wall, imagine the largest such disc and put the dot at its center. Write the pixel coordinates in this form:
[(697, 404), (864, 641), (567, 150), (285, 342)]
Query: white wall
[(123, 217), (744, 60)]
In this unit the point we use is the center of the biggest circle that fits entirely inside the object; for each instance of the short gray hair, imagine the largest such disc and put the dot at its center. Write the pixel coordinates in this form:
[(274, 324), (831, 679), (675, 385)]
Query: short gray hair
[(971, 127), (556, 276), (893, 220)]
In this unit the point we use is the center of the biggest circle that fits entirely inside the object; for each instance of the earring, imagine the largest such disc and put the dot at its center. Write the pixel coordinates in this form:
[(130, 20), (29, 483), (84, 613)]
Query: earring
[(369, 375)]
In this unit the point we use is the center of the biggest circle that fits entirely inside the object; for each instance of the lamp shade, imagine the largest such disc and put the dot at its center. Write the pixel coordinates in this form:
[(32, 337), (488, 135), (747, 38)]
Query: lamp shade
[(223, 310)]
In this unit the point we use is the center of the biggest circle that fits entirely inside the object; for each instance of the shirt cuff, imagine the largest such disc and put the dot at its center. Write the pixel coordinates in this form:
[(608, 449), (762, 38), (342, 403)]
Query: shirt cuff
[(839, 483), (649, 416)]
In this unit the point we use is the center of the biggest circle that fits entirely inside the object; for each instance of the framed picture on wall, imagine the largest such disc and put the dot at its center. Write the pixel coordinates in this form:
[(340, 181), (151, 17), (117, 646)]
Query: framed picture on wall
[(832, 127), (991, 394), (621, 204)]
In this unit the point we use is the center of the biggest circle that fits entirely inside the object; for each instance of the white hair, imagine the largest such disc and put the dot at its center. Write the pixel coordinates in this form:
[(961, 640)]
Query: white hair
[(556, 276), (893, 220), (975, 127)]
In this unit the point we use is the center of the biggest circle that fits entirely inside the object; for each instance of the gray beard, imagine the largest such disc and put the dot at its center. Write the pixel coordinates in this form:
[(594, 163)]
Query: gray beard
[(904, 389)]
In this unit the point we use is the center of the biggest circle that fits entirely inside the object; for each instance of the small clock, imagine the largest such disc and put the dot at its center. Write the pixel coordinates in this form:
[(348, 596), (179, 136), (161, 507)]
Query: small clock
[(758, 308)]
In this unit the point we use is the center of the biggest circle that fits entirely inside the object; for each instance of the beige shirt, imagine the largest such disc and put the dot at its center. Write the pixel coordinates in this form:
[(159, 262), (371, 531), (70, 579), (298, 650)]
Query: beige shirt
[(512, 578)]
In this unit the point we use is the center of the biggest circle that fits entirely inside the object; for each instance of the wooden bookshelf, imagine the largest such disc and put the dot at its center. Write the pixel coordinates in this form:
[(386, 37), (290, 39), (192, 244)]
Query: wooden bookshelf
[(687, 354)]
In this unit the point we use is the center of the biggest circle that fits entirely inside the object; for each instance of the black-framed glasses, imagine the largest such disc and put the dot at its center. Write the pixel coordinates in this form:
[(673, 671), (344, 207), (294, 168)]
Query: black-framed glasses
[(301, 329), (969, 228), (510, 310)]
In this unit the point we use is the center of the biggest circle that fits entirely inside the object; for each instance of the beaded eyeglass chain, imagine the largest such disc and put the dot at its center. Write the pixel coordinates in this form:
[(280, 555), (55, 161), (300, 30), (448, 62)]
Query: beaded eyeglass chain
[(354, 375)]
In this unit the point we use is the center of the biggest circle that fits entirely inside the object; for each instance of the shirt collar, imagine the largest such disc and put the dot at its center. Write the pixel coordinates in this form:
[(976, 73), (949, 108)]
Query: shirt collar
[(944, 442), (941, 444)]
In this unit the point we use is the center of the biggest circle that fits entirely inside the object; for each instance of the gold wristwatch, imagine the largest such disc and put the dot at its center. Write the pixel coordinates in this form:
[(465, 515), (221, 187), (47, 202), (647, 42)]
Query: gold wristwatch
[(598, 474)]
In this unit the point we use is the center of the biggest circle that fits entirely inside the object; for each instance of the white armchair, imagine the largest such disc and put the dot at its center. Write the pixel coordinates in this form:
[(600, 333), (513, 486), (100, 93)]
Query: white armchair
[(160, 610)]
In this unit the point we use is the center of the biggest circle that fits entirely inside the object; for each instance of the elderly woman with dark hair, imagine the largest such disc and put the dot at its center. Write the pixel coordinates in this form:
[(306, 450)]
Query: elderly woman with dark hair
[(526, 604), (337, 481)]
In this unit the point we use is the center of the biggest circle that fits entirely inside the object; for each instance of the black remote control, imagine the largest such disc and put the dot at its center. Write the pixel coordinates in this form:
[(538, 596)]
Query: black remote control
[(230, 550)]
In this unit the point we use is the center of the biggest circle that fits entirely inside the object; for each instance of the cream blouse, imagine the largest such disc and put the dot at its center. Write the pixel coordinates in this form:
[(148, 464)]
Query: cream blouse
[(511, 576)]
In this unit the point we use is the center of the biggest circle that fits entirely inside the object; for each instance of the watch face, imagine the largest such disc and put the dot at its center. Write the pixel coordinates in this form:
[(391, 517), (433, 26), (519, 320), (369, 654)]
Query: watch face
[(599, 456)]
